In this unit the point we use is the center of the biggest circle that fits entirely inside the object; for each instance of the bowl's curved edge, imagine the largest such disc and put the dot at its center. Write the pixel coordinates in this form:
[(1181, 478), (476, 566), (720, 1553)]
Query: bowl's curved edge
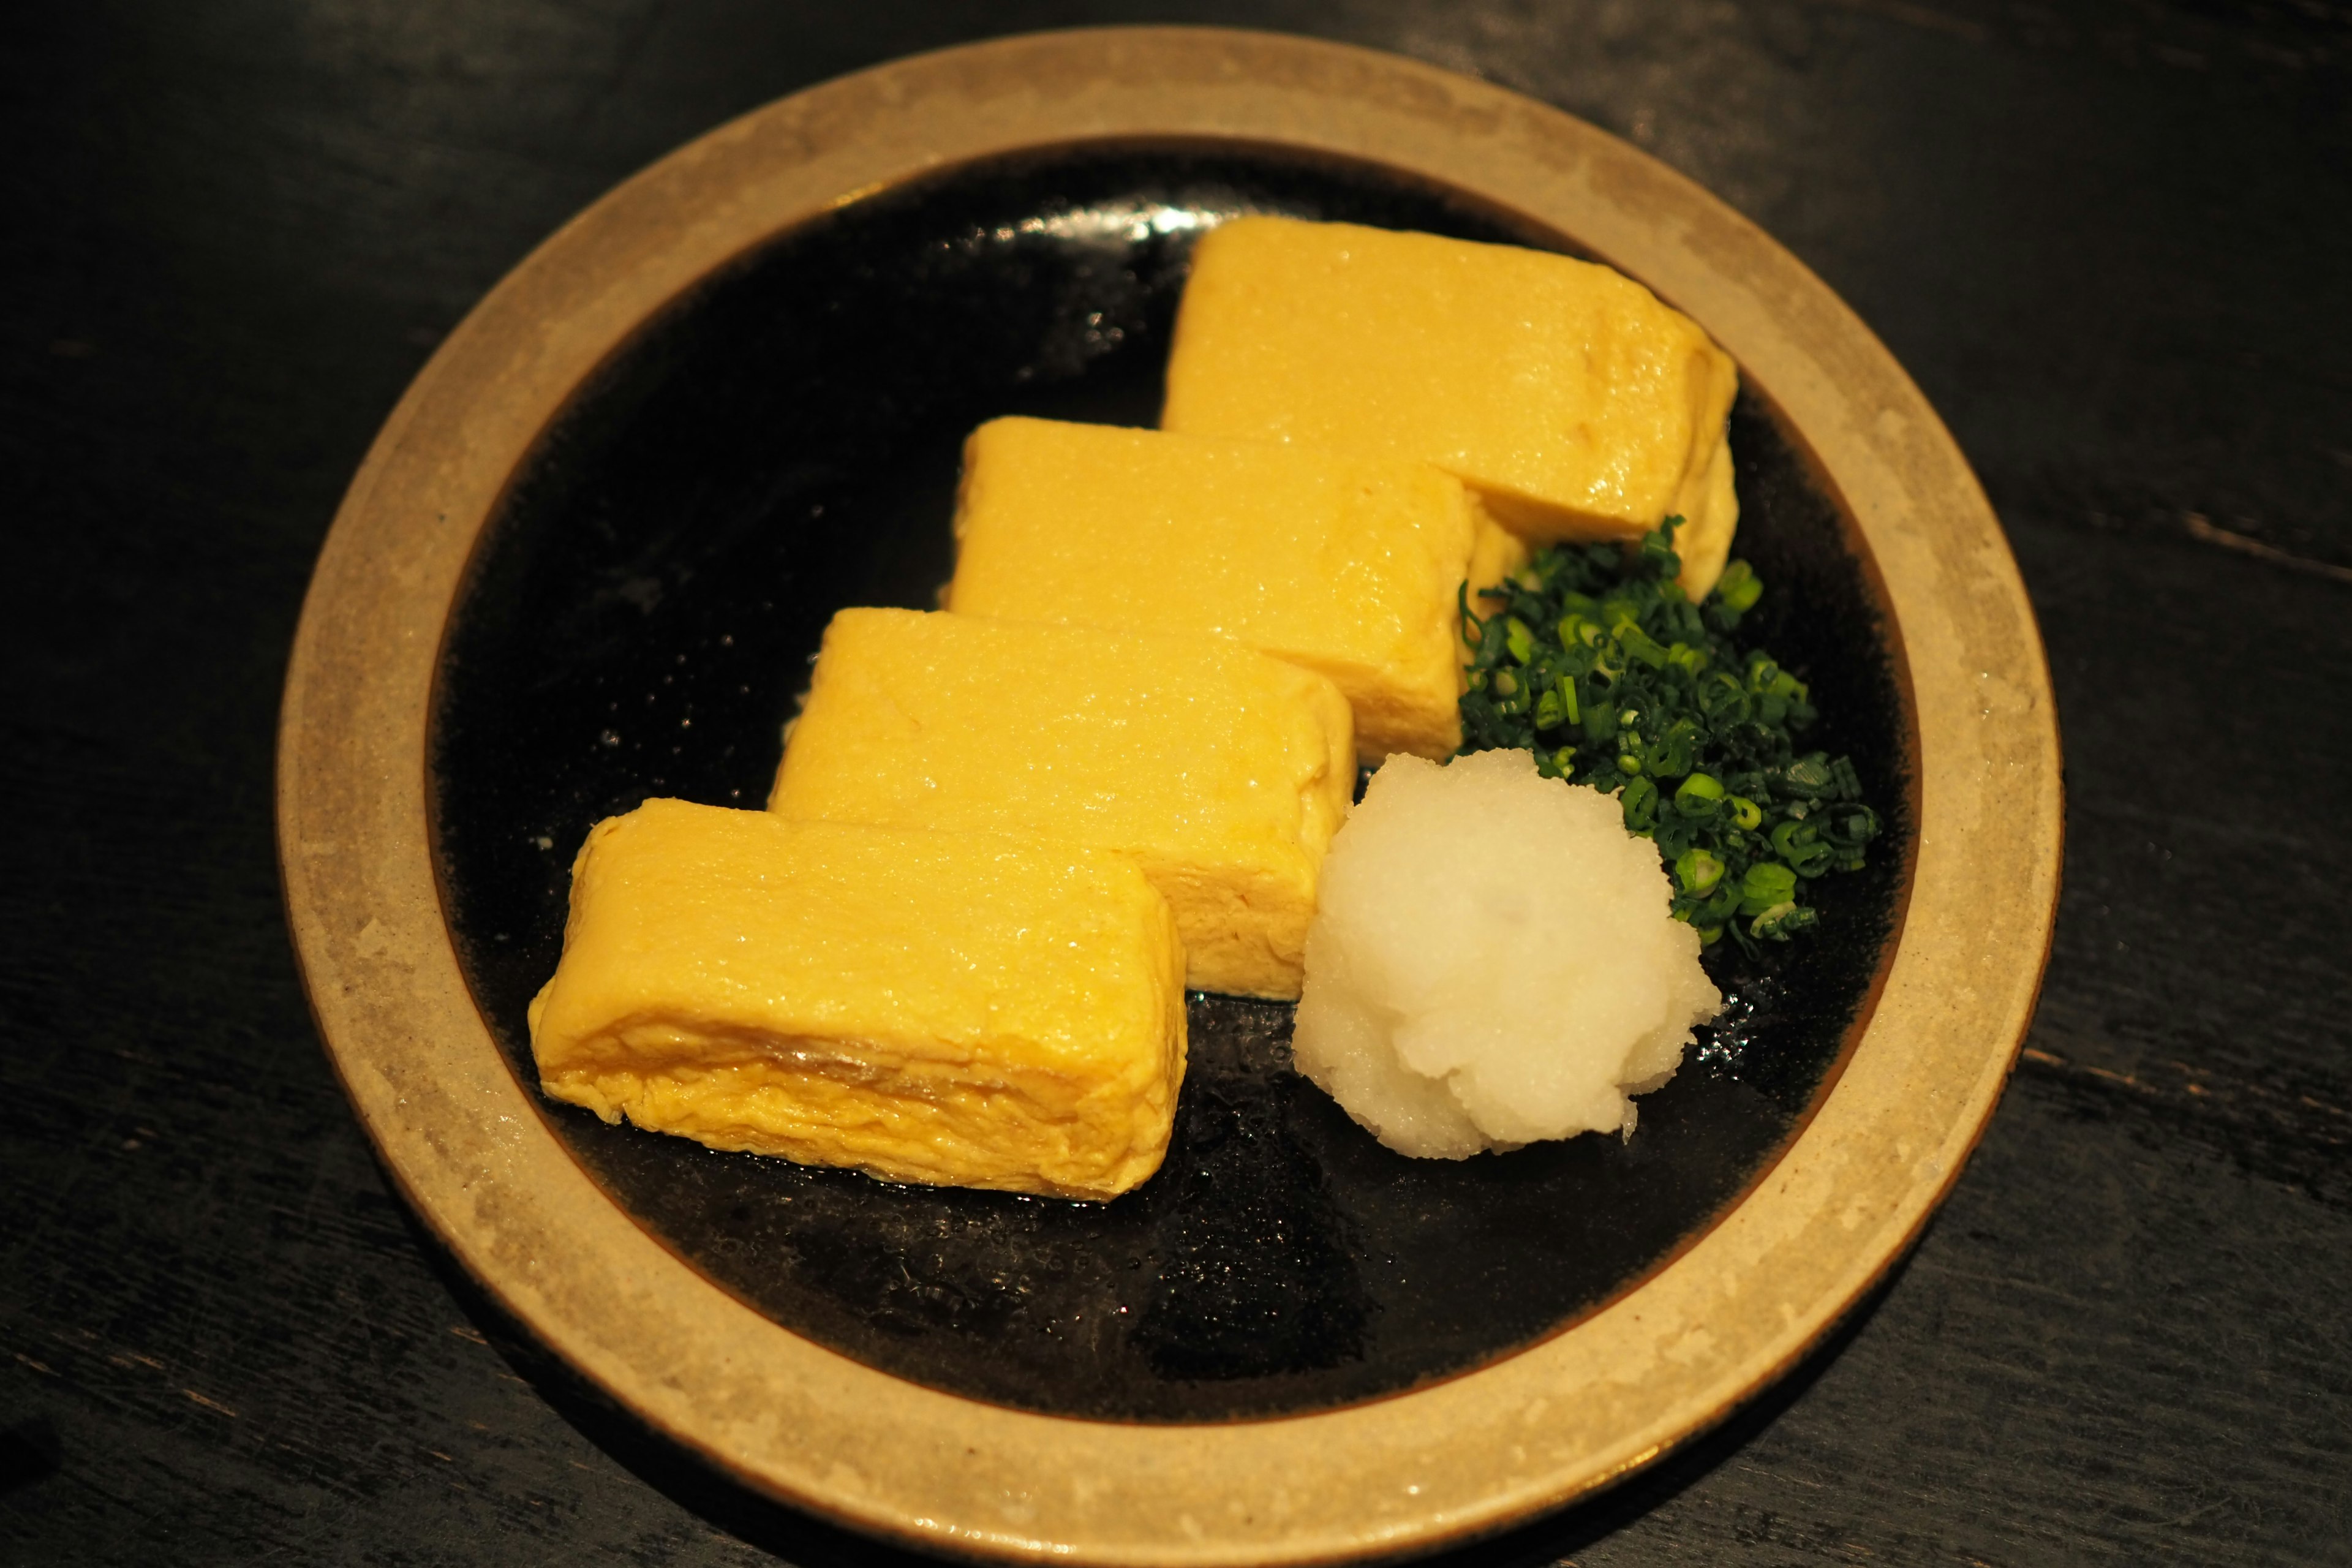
[(1469, 1455)]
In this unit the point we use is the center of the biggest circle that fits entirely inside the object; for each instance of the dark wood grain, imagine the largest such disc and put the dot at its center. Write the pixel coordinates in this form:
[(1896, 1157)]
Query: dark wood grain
[(2108, 236)]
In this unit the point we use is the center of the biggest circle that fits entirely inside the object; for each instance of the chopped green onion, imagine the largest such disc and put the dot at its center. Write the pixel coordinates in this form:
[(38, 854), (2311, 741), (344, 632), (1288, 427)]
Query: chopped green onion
[(1738, 587), (1640, 800), (1699, 871), (1642, 693), (1767, 883), (1781, 921), (1699, 795), (1629, 635)]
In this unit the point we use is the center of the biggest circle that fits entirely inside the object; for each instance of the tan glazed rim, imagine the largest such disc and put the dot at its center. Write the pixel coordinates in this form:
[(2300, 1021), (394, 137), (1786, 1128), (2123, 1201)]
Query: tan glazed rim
[(1469, 1455)]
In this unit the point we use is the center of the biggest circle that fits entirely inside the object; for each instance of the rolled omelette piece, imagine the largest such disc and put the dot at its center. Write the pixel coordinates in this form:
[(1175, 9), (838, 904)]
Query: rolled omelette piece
[(949, 1009), (1574, 403), (1347, 564), (1222, 771)]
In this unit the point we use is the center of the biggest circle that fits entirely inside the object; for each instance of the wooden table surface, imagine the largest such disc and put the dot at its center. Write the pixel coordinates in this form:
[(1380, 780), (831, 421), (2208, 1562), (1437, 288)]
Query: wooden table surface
[(2110, 239)]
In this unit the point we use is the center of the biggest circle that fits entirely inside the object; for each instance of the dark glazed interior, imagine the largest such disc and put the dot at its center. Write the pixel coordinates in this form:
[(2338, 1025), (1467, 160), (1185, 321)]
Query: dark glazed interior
[(784, 442)]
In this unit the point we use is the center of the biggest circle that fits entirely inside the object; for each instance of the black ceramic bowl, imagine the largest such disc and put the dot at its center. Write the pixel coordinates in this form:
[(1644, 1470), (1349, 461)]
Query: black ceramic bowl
[(584, 563), (783, 442)]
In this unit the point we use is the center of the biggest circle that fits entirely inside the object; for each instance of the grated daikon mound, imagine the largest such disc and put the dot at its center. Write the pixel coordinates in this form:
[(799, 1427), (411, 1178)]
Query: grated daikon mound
[(1493, 961)]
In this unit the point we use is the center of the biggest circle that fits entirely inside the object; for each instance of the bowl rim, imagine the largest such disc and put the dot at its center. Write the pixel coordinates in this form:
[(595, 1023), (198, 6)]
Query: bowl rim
[(1468, 1455)]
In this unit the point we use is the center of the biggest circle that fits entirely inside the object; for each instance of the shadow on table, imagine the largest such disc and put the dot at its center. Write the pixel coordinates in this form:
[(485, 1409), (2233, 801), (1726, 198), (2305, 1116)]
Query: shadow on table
[(812, 1543)]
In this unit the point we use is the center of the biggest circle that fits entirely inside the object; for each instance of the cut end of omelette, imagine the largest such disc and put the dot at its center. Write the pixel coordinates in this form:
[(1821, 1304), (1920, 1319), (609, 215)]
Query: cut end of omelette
[(927, 1008), (1575, 404), (1344, 563), (1219, 771)]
